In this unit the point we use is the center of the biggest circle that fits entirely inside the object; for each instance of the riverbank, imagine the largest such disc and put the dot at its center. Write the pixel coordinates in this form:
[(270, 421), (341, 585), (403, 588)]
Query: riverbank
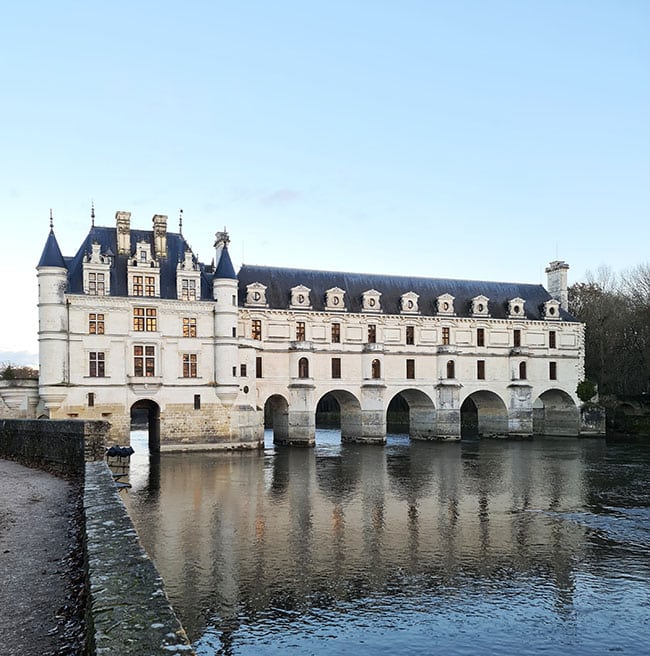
[(42, 594)]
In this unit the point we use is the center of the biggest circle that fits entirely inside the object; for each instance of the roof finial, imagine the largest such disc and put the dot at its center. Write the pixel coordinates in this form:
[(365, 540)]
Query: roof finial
[(51, 220), (180, 222), (92, 213)]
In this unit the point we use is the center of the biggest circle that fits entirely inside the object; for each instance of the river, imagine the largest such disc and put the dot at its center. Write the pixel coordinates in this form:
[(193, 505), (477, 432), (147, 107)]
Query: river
[(476, 547)]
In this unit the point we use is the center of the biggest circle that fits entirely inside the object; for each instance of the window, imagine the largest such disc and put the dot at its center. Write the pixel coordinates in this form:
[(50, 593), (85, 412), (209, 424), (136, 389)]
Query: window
[(143, 256), (189, 327), (336, 333), (445, 336), (145, 319), (243, 370), (376, 369), (144, 360), (91, 399), (197, 401), (516, 338), (451, 369), (258, 367), (138, 286), (552, 370), (96, 284), (300, 331), (480, 337), (372, 333), (522, 371), (336, 367), (149, 286), (96, 362), (410, 368), (303, 368), (410, 334), (256, 329), (234, 331), (480, 369), (188, 289), (95, 324), (189, 365), (551, 339)]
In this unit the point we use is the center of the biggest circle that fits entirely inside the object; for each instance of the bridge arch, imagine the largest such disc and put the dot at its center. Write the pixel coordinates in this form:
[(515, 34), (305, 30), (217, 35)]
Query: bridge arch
[(344, 410), (483, 414), (555, 413), (276, 417), (419, 410), (146, 411)]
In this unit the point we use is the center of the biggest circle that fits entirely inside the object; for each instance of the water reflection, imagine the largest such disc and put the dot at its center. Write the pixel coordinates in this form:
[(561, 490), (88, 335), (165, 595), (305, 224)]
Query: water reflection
[(310, 548)]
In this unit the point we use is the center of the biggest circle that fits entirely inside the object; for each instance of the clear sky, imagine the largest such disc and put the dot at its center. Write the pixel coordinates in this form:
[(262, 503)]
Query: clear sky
[(465, 139)]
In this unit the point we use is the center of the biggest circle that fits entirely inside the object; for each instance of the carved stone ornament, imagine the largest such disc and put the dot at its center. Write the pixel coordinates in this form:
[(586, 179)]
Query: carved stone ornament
[(371, 301), (335, 299), (480, 306), (552, 310), (445, 304), (516, 308), (300, 297), (256, 294), (409, 303)]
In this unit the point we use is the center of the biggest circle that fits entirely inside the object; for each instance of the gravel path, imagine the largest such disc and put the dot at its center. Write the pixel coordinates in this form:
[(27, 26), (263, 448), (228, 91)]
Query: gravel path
[(41, 575)]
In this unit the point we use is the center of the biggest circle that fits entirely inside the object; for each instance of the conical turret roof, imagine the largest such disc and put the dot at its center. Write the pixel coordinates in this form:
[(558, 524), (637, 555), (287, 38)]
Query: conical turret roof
[(225, 268), (51, 256)]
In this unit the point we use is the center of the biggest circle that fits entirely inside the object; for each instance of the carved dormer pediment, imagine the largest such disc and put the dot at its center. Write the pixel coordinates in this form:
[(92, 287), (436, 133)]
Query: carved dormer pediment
[(409, 303), (371, 301), (142, 256), (188, 263), (335, 299), (96, 271), (516, 308), (479, 306), (552, 310), (445, 305), (300, 298), (256, 295)]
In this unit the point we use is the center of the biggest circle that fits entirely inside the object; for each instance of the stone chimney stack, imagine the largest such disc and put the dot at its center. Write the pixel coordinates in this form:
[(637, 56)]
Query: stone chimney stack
[(160, 235), (557, 277), (123, 220)]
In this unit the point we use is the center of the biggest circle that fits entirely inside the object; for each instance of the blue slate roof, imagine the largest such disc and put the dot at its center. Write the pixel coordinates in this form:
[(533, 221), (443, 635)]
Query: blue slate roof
[(279, 282), (51, 255), (225, 268)]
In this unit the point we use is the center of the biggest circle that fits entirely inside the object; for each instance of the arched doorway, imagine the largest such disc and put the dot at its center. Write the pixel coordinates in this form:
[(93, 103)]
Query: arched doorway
[(412, 412), (483, 414), (145, 415), (555, 413), (276, 418), (340, 409)]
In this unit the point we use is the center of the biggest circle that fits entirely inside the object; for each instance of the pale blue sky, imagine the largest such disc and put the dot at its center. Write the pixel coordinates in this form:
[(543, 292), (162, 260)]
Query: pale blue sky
[(447, 139)]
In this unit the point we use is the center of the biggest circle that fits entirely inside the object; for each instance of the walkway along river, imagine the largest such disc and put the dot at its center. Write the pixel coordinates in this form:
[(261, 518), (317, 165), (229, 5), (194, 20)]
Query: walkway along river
[(487, 547)]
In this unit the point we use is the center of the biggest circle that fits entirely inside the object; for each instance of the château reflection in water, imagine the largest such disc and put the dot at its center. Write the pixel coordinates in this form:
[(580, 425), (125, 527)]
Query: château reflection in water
[(292, 547)]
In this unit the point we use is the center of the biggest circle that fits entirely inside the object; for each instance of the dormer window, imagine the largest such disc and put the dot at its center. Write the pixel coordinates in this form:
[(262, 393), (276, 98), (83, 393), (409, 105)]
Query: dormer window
[(96, 272), (141, 282), (445, 305), (371, 301), (334, 299), (480, 306), (256, 294), (516, 308), (409, 303), (552, 310), (143, 256), (300, 298)]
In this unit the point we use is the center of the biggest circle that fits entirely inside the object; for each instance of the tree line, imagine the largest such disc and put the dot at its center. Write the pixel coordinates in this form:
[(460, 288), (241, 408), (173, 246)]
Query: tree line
[(616, 311)]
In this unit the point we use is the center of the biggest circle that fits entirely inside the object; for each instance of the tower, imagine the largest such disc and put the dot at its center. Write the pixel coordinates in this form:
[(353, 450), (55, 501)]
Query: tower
[(557, 282), (52, 276)]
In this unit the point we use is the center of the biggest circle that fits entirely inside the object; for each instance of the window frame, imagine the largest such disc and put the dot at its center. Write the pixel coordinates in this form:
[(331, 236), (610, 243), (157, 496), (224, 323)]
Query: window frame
[(96, 364)]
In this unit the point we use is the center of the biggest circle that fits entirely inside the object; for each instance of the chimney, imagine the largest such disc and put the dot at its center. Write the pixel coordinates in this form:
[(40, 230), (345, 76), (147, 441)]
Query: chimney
[(123, 220), (556, 275), (160, 235)]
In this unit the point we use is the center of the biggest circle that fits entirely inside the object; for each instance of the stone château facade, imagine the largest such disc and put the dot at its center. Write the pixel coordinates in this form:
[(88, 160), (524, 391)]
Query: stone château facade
[(133, 321)]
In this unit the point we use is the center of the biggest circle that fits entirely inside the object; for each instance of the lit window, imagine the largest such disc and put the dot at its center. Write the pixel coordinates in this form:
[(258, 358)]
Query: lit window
[(138, 286), (445, 336), (303, 368), (96, 363), (376, 369), (451, 369), (256, 329), (149, 286), (144, 360), (480, 337), (551, 339), (336, 333), (480, 369), (336, 367), (372, 333), (189, 365), (300, 331), (145, 319), (189, 327), (410, 334), (95, 324), (552, 370)]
